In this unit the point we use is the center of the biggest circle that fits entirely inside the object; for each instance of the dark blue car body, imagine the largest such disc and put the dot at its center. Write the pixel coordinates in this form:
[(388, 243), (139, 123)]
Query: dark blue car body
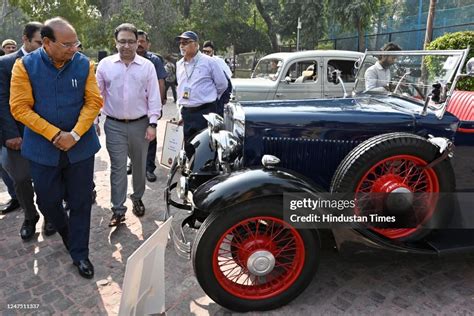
[(235, 181)]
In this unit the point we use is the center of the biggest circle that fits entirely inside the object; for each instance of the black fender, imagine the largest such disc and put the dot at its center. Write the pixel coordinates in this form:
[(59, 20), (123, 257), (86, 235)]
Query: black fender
[(201, 154), (247, 184)]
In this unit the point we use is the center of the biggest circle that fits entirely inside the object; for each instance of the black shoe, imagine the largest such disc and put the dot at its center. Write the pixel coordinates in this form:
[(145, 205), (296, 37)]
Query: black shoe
[(85, 268), (129, 168), (138, 208), (94, 196), (150, 176), (116, 220), (49, 228), (28, 229), (10, 206)]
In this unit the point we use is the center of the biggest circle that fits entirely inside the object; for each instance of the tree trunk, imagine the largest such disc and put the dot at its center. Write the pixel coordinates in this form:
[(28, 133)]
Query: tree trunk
[(360, 32), (429, 23), (187, 8), (266, 17)]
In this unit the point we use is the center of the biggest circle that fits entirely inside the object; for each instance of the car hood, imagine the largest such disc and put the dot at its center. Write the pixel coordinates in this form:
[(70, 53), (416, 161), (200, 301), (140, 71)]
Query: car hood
[(323, 111), (339, 119)]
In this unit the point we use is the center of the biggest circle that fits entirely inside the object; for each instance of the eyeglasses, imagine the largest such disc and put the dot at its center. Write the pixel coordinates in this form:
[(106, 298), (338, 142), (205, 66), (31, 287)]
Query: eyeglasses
[(68, 45), (207, 51), (185, 43), (125, 42)]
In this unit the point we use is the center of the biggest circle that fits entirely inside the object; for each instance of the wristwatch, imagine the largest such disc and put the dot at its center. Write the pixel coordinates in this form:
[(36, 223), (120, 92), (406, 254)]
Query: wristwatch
[(75, 136), (152, 125)]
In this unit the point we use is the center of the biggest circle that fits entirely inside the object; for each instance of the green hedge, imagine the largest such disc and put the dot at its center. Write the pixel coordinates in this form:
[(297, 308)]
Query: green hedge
[(458, 40)]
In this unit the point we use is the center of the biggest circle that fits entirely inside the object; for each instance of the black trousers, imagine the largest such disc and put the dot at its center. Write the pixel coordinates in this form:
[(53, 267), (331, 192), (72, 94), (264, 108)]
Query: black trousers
[(171, 85), (194, 122), (51, 183), (150, 157)]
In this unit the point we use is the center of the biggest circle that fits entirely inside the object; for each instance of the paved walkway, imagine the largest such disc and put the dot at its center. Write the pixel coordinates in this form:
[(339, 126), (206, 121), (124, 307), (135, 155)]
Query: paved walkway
[(40, 271)]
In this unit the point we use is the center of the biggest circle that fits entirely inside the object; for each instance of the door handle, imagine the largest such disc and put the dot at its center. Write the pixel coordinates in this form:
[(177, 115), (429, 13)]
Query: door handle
[(278, 95)]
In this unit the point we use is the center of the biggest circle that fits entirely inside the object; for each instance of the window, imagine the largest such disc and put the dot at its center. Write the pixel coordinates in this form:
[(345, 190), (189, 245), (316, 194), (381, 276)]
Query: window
[(305, 71), (346, 67)]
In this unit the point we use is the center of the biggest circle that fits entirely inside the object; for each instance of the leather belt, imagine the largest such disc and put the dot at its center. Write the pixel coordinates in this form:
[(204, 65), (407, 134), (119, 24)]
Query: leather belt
[(198, 108), (126, 120)]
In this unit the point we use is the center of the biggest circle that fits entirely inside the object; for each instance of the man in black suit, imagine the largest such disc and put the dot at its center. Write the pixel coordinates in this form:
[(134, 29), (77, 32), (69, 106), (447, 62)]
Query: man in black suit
[(12, 136)]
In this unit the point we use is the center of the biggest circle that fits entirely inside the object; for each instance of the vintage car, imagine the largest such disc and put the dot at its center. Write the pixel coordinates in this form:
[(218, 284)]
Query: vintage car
[(404, 148), (297, 75)]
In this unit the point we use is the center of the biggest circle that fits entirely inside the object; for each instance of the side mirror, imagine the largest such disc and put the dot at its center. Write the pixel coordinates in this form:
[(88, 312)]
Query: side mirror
[(470, 67), (357, 63)]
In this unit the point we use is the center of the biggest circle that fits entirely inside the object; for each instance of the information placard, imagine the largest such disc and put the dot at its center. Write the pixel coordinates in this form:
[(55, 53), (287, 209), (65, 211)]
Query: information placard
[(172, 143)]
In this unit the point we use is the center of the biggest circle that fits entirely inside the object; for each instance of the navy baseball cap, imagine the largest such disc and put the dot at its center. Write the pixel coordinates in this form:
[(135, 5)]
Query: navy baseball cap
[(188, 35)]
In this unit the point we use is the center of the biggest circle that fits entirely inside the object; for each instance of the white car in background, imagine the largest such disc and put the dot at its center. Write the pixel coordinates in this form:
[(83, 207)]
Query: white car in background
[(298, 75)]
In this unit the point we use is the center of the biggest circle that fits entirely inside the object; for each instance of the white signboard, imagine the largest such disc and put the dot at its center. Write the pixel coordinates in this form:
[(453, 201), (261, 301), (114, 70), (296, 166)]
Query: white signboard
[(144, 281), (172, 143)]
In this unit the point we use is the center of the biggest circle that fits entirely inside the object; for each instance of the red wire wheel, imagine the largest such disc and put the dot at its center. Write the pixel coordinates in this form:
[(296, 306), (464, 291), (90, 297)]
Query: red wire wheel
[(401, 172), (396, 163), (248, 258), (278, 248)]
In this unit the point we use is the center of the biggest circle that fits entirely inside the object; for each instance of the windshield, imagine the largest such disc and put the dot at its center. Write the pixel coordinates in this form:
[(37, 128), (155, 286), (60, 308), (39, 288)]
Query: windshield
[(268, 68), (408, 74)]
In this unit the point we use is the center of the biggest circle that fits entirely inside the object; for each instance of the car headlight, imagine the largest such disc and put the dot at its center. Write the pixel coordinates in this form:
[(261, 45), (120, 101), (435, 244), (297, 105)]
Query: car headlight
[(215, 122), (228, 146)]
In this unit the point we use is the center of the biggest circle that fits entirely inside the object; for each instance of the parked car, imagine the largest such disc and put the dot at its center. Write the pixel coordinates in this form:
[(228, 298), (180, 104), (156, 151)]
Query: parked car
[(284, 76), (410, 146)]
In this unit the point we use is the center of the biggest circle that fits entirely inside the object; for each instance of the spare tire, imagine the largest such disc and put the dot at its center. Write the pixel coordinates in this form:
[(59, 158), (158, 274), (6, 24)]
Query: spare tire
[(396, 162)]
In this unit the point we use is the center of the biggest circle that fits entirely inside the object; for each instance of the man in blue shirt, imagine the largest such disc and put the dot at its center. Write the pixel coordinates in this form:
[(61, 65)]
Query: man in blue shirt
[(201, 82)]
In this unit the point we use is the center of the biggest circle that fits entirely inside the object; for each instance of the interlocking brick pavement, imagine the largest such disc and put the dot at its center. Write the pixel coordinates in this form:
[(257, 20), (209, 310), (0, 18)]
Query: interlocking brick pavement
[(40, 271)]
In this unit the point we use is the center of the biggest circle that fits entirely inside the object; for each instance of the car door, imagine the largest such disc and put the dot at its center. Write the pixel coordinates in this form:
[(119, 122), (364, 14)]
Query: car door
[(348, 75), (300, 80)]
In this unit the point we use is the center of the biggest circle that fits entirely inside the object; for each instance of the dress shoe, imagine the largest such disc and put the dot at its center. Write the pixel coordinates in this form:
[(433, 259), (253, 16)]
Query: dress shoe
[(129, 168), (138, 208), (28, 229), (10, 206), (49, 228), (150, 176), (116, 220), (85, 268)]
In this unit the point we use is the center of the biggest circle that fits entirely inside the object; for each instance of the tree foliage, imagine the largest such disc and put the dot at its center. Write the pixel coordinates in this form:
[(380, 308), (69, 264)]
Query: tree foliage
[(355, 14), (78, 12), (458, 40), (245, 25)]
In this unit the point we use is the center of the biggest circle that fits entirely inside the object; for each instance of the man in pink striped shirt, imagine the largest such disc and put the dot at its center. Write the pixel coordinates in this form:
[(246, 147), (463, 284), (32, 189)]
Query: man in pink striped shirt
[(132, 104)]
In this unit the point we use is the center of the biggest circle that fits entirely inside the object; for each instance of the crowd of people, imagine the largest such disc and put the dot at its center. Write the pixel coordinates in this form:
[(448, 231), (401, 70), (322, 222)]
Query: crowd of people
[(52, 99)]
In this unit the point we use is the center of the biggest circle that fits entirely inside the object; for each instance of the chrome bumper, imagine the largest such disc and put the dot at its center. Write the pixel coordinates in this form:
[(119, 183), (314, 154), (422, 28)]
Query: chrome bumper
[(181, 245)]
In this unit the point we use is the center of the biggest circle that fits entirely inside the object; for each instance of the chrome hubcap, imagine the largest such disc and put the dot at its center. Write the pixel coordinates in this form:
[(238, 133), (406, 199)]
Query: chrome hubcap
[(261, 263)]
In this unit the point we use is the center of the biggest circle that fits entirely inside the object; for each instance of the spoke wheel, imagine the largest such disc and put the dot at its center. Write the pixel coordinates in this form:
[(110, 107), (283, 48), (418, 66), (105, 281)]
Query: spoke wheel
[(404, 173), (246, 257), (397, 163), (279, 251)]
